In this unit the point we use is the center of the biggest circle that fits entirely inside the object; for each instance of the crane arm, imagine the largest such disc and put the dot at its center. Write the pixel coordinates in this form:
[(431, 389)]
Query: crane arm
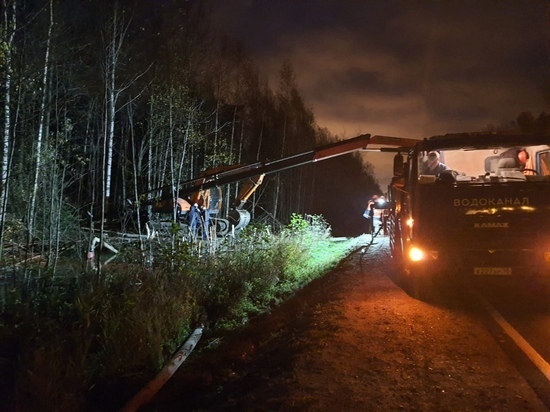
[(228, 174)]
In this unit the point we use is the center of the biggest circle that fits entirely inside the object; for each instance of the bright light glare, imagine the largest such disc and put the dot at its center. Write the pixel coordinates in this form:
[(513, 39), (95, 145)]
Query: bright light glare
[(410, 222), (416, 254)]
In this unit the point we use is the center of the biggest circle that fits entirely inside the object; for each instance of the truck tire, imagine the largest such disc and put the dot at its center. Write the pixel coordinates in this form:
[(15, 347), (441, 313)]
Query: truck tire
[(411, 279), (396, 250), (396, 240)]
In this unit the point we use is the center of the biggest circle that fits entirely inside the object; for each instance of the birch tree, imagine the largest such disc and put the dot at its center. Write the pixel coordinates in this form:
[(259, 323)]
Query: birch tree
[(41, 130), (113, 54), (9, 25)]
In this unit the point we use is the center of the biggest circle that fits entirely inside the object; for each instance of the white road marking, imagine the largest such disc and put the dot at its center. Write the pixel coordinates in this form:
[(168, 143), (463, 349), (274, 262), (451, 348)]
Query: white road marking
[(529, 351)]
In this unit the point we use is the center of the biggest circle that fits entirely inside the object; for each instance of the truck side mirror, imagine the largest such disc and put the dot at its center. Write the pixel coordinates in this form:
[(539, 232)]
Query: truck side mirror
[(398, 165)]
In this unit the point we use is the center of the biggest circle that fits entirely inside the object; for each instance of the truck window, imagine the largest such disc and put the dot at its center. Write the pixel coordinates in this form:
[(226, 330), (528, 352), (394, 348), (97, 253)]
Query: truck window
[(544, 163), (496, 164)]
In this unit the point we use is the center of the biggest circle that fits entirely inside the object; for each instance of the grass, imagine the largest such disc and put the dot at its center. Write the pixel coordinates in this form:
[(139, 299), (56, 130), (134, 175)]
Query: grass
[(65, 339)]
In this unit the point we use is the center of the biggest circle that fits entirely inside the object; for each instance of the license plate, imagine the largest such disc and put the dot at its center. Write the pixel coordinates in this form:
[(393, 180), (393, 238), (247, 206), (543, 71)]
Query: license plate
[(492, 271)]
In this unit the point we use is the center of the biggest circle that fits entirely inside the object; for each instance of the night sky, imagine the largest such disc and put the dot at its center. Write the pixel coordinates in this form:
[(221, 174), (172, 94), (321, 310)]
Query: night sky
[(401, 68)]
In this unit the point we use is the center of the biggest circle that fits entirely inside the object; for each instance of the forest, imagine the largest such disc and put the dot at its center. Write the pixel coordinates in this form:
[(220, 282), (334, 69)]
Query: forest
[(103, 101)]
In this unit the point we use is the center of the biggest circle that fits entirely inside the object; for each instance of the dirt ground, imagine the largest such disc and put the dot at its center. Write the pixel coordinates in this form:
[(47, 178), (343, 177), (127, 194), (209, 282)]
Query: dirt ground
[(353, 341)]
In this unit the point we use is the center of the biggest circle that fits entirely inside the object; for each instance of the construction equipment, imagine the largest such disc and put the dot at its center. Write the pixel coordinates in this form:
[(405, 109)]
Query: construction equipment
[(205, 190), (487, 215), (210, 199)]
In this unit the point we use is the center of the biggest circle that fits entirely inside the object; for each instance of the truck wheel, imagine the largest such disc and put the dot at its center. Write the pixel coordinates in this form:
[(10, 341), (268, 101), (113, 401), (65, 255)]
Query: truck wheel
[(396, 250), (420, 282), (413, 282), (396, 242)]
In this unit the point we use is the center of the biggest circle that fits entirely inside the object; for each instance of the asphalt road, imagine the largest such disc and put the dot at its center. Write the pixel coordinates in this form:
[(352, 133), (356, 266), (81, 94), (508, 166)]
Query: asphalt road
[(515, 312), (519, 315)]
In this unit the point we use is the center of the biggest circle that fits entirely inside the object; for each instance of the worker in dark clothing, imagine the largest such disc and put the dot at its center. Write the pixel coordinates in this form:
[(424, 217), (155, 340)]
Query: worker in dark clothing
[(433, 165), (369, 211), (194, 219)]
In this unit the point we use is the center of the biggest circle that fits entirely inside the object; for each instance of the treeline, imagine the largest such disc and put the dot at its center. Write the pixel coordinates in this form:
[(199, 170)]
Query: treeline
[(104, 100), (527, 123)]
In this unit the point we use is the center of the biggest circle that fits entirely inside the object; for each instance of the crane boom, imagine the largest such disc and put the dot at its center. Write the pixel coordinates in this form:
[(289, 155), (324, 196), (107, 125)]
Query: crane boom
[(237, 173), (204, 191)]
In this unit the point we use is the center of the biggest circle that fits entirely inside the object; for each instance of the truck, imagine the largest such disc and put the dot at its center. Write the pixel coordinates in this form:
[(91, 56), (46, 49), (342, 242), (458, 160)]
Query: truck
[(486, 212)]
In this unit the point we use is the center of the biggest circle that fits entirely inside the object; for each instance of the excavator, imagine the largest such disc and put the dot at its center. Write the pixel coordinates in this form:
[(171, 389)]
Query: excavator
[(210, 198), (205, 190)]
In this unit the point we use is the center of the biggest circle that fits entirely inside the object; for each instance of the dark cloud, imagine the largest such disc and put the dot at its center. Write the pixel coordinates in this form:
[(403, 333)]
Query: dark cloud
[(407, 68)]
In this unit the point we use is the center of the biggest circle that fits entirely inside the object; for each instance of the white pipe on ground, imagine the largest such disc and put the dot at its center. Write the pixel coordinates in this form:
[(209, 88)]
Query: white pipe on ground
[(146, 394)]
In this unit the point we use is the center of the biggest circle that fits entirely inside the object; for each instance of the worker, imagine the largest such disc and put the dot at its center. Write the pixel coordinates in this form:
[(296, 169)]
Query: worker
[(433, 166), (373, 203), (515, 157), (194, 219)]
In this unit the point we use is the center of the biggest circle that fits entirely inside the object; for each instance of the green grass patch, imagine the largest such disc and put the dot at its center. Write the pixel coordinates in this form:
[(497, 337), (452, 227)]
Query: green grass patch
[(65, 337)]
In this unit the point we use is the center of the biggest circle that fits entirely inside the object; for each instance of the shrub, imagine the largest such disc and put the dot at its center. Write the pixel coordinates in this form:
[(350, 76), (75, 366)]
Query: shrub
[(62, 335)]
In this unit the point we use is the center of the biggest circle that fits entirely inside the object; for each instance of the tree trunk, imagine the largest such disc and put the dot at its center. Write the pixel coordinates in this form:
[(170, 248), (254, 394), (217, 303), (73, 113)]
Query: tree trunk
[(9, 27), (113, 52), (40, 136)]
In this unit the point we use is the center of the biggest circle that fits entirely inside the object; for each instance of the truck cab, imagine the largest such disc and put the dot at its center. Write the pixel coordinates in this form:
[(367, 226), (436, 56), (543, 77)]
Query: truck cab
[(484, 211)]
